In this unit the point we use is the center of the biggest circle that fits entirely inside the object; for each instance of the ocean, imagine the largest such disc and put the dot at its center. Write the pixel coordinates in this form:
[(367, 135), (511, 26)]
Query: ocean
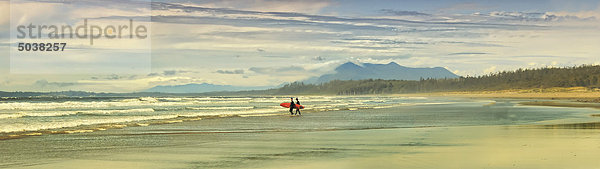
[(47, 114)]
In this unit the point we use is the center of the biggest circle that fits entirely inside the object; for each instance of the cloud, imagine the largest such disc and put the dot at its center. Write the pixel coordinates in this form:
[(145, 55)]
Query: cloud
[(470, 44), (533, 16), (463, 7), (44, 83), (237, 71), (113, 77), (172, 13), (379, 41), (169, 72), (5, 83), (278, 70), (491, 69), (303, 6), (175, 72), (403, 13), (5, 10), (469, 53)]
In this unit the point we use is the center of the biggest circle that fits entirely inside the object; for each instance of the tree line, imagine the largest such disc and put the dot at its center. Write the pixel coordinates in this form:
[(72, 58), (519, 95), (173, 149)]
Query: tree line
[(576, 76)]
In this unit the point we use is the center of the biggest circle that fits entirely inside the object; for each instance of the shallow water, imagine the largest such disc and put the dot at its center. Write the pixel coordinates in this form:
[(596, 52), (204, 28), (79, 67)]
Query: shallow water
[(404, 133), (19, 115)]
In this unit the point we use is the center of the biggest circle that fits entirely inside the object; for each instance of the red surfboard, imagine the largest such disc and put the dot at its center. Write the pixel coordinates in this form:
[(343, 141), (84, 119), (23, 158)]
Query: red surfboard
[(287, 105)]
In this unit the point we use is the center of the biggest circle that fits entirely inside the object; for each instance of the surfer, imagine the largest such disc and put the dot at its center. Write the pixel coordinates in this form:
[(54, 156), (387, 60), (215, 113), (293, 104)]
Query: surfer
[(297, 108), (292, 106)]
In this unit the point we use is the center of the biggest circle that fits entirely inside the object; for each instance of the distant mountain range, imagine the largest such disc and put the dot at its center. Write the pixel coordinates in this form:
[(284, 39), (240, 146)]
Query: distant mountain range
[(200, 88), (346, 71), (540, 80), (390, 71)]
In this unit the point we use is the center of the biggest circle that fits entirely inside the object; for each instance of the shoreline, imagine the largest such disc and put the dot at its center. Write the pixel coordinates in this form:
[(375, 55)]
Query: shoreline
[(554, 99), (572, 99), (575, 94), (333, 139), (582, 96)]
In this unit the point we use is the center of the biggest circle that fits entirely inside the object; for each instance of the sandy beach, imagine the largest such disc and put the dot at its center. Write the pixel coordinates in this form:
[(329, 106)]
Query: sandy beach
[(574, 93), (447, 147), (458, 133)]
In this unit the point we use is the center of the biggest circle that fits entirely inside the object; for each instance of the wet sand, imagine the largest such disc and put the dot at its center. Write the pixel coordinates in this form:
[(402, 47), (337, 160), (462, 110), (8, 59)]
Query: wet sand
[(454, 147), (499, 135), (483, 147)]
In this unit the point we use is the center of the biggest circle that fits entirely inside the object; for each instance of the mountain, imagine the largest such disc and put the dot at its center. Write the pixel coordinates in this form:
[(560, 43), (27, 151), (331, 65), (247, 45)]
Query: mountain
[(346, 71), (200, 88), (390, 71)]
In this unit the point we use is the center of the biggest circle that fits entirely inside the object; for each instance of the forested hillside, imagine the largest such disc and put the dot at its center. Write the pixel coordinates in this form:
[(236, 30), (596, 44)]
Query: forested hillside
[(579, 76)]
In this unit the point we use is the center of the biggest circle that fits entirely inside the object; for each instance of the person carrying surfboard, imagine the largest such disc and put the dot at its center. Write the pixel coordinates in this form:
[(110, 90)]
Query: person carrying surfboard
[(298, 108), (292, 106)]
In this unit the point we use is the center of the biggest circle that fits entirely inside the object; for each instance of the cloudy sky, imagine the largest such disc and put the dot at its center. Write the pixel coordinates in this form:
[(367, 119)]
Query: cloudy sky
[(268, 42)]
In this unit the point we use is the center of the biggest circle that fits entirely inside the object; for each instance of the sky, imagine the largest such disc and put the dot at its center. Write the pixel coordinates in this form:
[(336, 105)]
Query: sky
[(268, 42)]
